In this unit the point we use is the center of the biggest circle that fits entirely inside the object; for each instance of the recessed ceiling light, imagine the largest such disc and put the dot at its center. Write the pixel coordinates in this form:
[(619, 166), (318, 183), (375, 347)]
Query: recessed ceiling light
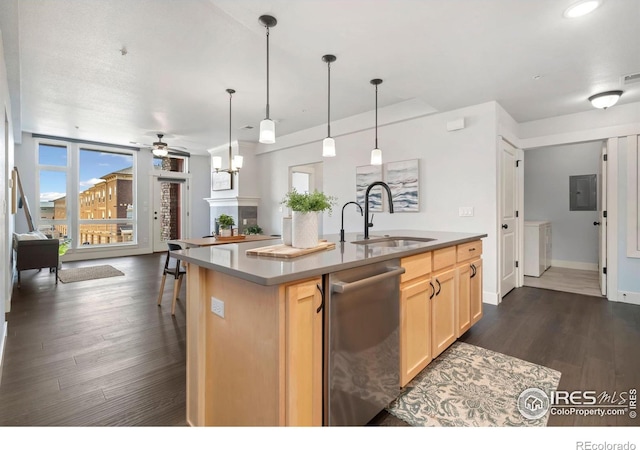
[(581, 8)]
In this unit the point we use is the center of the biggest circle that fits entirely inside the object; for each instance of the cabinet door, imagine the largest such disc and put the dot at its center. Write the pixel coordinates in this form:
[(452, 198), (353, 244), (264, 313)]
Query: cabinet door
[(415, 329), (463, 312), (476, 290), (443, 320), (303, 347)]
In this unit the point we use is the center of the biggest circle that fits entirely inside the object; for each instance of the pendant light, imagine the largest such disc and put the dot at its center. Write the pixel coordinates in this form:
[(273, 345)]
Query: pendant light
[(376, 153), (235, 162), (267, 126), (328, 144)]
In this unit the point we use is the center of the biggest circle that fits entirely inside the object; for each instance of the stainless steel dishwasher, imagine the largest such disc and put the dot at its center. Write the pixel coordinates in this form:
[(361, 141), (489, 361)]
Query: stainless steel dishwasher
[(362, 362)]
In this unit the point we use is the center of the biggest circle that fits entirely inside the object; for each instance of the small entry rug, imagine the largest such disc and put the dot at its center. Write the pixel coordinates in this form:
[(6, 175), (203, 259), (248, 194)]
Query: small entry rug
[(88, 273), (474, 387)]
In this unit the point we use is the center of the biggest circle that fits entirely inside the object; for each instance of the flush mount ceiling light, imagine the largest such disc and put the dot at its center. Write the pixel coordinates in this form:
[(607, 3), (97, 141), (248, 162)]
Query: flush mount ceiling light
[(581, 8), (604, 100), (235, 162), (328, 144), (376, 153), (267, 126)]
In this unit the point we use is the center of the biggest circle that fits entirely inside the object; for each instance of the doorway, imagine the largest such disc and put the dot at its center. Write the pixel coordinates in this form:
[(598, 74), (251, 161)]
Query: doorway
[(169, 213), (577, 226)]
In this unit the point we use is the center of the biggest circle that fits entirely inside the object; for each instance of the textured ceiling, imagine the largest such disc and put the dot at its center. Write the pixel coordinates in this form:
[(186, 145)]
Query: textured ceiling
[(68, 76)]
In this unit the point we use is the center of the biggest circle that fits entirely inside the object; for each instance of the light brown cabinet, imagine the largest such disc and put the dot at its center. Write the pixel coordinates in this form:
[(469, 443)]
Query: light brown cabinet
[(303, 360), (440, 299)]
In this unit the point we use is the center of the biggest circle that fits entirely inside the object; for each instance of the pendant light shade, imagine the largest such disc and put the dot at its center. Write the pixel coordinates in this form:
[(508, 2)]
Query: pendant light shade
[(267, 126), (604, 100), (376, 153), (329, 144), (216, 162)]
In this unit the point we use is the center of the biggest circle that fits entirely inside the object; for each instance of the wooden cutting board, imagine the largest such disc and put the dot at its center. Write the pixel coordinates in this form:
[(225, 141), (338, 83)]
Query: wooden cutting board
[(286, 251)]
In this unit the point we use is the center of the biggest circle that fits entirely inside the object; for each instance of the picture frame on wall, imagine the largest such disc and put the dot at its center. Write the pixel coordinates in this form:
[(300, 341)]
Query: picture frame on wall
[(220, 181), (403, 178), (365, 175)]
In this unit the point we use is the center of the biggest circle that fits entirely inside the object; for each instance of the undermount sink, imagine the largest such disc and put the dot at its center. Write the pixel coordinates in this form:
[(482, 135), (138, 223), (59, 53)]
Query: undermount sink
[(393, 241)]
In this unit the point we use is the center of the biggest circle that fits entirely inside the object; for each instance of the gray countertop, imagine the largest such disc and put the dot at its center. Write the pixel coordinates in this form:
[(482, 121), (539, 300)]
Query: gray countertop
[(266, 270)]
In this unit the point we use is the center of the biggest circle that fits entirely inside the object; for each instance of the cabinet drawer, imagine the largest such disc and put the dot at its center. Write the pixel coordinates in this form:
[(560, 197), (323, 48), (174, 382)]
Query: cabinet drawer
[(469, 250), (415, 266), (444, 257)]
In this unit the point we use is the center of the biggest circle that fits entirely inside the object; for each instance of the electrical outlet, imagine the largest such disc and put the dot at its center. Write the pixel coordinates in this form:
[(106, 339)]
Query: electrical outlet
[(217, 307), (244, 221), (465, 211)]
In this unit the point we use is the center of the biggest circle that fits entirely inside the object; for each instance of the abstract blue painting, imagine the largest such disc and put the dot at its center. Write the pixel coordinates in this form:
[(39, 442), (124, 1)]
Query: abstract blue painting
[(403, 177), (365, 175)]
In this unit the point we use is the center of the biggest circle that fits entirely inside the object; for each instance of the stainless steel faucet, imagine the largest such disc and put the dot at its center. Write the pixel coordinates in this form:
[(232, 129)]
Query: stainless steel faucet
[(342, 222), (367, 223)]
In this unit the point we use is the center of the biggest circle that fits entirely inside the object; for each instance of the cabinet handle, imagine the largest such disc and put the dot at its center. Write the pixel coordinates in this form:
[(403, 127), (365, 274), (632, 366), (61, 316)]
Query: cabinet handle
[(439, 287), (472, 249), (433, 290), (321, 307), (474, 271)]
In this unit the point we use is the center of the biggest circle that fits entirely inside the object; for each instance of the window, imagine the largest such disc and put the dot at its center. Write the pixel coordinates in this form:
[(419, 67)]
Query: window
[(73, 181)]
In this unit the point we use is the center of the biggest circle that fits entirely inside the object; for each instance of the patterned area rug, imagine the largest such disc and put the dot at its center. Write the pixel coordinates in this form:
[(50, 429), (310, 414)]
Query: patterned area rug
[(471, 386), (88, 273)]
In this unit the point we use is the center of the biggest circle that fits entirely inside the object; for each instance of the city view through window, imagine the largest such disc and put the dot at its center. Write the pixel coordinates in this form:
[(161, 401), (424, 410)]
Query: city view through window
[(102, 202)]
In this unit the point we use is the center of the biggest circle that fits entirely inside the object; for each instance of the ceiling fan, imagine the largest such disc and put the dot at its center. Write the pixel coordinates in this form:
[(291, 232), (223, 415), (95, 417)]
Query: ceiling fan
[(162, 149)]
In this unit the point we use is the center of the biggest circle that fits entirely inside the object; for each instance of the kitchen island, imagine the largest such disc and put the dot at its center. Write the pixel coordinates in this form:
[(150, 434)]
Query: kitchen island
[(255, 324)]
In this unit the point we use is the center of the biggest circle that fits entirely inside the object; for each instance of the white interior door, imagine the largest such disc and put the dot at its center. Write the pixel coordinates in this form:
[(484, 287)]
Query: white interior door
[(508, 223), (169, 213), (602, 220)]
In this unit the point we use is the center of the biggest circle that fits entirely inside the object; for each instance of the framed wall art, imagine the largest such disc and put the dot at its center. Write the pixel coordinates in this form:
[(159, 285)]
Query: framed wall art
[(403, 180), (220, 181), (365, 175)]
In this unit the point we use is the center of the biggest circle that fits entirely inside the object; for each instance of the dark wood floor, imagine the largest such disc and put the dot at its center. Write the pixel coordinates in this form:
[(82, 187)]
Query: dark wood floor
[(100, 352)]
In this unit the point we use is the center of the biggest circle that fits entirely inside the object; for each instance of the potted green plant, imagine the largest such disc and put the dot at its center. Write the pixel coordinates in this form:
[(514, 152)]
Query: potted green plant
[(253, 229), (226, 223), (305, 208)]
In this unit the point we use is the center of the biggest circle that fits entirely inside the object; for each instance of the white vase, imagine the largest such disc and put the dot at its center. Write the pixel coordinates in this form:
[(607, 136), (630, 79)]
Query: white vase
[(304, 229), (225, 232), (286, 230)]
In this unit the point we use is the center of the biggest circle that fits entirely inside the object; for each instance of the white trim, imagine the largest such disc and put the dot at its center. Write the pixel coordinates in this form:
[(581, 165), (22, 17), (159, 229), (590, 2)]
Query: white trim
[(3, 340), (629, 297), (612, 219), (595, 134), (233, 201), (633, 197), (574, 265), (491, 298)]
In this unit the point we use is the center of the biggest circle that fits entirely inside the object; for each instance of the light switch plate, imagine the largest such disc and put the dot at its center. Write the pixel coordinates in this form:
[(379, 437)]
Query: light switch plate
[(465, 211), (217, 307)]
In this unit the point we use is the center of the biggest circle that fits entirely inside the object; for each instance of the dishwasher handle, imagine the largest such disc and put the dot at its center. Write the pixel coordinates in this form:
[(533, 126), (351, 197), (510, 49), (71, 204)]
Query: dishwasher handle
[(341, 287)]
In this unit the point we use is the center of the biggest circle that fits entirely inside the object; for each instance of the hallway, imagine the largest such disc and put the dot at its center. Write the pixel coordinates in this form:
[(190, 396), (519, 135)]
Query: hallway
[(583, 282)]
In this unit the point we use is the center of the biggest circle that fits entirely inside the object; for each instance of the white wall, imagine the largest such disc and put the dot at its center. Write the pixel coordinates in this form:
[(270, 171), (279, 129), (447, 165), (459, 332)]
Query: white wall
[(546, 197), (456, 169), (6, 219), (199, 188)]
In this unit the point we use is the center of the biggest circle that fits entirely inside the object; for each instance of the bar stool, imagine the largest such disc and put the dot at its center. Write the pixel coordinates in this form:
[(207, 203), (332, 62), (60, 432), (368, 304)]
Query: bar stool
[(173, 267)]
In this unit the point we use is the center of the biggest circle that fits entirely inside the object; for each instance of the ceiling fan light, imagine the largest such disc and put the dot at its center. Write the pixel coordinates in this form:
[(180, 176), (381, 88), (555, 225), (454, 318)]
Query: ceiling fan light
[(376, 157), (267, 132), (237, 162), (216, 162), (160, 152), (605, 100), (328, 147)]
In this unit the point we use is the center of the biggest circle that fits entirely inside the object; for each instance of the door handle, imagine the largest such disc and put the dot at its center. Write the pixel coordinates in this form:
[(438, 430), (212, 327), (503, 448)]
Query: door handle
[(439, 287), (433, 290), (505, 226), (322, 303), (341, 287), (474, 271), (596, 223)]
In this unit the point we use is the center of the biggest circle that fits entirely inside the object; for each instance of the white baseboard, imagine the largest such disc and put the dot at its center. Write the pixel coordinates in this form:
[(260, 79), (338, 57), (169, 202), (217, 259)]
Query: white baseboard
[(490, 297), (574, 265), (3, 340), (629, 297)]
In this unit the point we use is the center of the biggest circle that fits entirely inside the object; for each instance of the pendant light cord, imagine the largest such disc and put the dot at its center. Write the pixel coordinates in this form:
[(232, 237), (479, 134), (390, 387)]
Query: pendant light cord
[(376, 116), (230, 95), (328, 99), (267, 72)]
